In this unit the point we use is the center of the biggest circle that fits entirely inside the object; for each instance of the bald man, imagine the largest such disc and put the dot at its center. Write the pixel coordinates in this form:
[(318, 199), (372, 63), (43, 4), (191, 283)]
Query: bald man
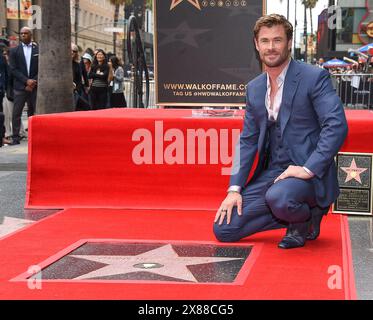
[(23, 61)]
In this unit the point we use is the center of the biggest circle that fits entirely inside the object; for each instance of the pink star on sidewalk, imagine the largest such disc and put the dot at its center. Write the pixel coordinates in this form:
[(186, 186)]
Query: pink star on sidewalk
[(353, 172)]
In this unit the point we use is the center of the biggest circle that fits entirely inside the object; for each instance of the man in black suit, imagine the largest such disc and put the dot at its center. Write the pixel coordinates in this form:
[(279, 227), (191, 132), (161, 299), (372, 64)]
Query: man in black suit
[(24, 61), (3, 80), (3, 76)]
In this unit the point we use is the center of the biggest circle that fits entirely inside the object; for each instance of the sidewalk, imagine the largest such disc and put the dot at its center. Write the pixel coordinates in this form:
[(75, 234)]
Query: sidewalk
[(14, 158)]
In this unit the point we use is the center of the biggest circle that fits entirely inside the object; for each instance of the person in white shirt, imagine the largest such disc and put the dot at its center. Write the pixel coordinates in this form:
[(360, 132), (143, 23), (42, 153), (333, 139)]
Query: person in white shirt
[(23, 62)]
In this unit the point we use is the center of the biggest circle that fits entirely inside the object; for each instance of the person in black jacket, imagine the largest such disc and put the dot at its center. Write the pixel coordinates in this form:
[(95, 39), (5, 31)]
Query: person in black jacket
[(2, 93), (23, 61), (99, 74), (83, 103), (2, 77), (2, 131), (77, 74), (8, 101)]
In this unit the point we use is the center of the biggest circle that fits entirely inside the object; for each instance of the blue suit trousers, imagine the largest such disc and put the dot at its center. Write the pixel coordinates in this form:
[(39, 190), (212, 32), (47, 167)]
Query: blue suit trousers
[(267, 205)]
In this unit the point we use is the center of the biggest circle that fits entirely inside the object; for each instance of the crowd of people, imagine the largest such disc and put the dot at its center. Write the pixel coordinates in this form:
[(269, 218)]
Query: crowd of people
[(98, 83), (351, 67), (98, 80)]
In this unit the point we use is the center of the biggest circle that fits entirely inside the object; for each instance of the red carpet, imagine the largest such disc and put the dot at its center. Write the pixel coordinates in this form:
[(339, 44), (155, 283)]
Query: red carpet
[(84, 159), (273, 274)]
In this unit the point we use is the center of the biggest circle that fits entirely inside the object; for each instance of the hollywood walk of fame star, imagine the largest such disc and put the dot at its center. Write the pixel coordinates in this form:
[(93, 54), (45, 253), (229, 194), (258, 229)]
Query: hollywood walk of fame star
[(195, 3), (353, 172), (10, 225), (181, 33), (162, 261)]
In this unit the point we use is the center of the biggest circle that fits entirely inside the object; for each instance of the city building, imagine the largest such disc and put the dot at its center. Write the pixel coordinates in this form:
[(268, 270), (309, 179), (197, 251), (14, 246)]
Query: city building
[(92, 24), (349, 26), (2, 19)]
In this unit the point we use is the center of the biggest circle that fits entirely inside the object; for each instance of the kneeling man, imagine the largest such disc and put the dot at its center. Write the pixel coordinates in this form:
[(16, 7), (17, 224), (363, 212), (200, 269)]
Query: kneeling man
[(296, 123)]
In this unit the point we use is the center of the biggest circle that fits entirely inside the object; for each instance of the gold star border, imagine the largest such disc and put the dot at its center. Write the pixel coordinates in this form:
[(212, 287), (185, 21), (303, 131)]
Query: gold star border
[(195, 3)]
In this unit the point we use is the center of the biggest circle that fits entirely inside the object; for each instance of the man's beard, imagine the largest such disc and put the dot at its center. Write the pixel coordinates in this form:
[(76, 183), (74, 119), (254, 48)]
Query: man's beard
[(284, 56)]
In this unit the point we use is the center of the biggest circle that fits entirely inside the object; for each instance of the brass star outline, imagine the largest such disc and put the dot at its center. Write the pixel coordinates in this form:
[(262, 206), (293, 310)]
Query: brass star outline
[(163, 261), (195, 3), (353, 172)]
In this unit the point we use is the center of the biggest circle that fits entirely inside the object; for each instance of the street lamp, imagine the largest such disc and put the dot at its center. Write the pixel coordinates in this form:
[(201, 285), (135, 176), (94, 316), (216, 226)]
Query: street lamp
[(76, 25)]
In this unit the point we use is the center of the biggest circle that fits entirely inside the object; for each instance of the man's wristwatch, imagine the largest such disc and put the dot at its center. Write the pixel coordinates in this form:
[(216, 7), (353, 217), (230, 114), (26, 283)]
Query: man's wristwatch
[(234, 189)]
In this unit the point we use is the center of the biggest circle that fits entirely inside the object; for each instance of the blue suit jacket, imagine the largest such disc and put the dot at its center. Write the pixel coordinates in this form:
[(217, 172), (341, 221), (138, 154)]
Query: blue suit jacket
[(313, 127)]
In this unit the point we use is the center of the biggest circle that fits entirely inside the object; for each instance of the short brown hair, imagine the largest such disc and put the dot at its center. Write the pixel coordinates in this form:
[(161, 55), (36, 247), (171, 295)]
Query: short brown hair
[(273, 20)]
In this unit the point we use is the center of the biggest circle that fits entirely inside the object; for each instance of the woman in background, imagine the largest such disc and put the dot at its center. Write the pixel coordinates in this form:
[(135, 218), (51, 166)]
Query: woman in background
[(99, 74), (117, 96), (85, 66)]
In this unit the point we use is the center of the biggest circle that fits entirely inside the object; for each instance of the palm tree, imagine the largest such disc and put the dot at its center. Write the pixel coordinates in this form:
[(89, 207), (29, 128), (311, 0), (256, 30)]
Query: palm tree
[(308, 4), (117, 4), (287, 16), (55, 83)]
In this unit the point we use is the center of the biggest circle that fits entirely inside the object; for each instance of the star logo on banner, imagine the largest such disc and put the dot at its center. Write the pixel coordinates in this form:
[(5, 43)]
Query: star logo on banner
[(254, 10), (163, 261), (195, 3), (182, 33), (353, 172), (10, 225)]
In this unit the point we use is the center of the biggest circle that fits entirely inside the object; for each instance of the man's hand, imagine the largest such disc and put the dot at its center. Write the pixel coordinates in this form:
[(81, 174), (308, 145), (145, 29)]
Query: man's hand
[(294, 172), (225, 209), (29, 89), (31, 83)]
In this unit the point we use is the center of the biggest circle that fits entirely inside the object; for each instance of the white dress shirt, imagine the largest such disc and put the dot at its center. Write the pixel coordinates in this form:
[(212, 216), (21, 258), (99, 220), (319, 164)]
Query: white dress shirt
[(27, 50), (273, 110)]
